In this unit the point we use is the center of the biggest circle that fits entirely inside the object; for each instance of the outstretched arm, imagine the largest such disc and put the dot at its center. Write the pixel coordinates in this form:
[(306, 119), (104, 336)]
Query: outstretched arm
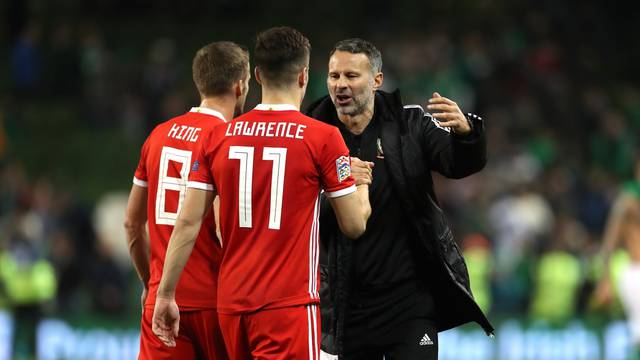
[(352, 211)]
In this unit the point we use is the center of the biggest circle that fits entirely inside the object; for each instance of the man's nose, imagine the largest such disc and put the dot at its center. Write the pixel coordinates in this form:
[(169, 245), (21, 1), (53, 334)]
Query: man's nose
[(341, 82)]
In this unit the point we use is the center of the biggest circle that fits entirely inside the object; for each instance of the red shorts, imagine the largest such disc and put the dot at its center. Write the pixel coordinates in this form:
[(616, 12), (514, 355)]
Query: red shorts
[(284, 333), (199, 338)]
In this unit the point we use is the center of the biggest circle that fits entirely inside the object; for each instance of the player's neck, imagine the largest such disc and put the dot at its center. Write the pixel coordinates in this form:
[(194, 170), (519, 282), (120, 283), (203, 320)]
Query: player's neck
[(284, 96), (222, 104), (357, 123)]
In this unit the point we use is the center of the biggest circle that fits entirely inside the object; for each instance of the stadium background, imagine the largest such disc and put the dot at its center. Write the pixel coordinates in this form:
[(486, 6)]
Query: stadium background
[(82, 83)]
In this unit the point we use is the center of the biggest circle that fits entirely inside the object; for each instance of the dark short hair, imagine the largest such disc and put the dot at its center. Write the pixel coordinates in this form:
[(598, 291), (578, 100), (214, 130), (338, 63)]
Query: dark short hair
[(280, 54), (217, 66), (360, 46)]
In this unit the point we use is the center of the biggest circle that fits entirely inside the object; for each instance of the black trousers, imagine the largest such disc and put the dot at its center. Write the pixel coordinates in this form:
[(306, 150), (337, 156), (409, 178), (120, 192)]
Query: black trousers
[(394, 324)]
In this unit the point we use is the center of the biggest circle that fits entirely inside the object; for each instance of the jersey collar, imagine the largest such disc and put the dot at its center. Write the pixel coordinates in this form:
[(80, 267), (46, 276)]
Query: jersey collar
[(276, 107), (204, 110)]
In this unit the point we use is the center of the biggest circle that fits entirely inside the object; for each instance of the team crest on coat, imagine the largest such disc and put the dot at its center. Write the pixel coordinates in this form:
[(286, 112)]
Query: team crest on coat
[(343, 167)]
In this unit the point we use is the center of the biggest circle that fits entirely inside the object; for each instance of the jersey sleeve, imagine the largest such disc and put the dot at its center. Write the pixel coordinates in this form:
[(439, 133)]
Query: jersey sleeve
[(140, 176), (335, 166), (200, 176)]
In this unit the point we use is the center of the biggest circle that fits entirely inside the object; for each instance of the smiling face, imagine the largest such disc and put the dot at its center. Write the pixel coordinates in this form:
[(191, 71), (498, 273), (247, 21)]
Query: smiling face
[(352, 83)]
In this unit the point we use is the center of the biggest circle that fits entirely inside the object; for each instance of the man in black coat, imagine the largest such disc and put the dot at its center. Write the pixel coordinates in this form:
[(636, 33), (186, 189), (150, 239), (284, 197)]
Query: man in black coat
[(388, 293)]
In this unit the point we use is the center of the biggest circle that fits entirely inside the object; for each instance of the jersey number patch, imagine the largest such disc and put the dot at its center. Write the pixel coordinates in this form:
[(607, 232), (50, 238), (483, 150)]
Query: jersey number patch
[(168, 185), (278, 156)]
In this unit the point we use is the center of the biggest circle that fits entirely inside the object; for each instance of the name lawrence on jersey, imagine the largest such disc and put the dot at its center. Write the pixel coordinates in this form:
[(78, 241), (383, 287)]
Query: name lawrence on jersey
[(266, 129)]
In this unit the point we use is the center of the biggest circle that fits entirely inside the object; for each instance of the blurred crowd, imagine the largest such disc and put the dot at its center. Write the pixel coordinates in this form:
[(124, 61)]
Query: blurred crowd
[(563, 128)]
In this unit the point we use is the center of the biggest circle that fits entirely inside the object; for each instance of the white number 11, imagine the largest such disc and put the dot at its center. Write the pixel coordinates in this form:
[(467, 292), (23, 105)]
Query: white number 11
[(245, 182)]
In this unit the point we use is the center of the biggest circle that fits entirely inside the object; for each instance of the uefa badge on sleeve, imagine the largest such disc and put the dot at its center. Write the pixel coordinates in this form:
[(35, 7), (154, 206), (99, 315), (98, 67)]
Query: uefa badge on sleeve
[(343, 167)]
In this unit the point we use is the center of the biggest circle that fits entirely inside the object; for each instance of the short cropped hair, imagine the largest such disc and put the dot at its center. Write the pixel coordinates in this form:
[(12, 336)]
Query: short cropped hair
[(219, 65), (360, 46), (280, 54)]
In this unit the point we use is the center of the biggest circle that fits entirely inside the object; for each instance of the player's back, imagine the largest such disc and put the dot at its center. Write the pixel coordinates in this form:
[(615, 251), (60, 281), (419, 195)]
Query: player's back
[(269, 166), (165, 162)]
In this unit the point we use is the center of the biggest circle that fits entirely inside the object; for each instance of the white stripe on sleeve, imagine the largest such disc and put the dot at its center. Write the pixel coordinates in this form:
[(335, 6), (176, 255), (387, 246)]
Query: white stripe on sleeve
[(341, 192), (139, 182), (200, 185)]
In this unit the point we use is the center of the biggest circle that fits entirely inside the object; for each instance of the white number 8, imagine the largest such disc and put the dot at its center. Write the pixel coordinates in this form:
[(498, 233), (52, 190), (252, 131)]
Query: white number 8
[(166, 183)]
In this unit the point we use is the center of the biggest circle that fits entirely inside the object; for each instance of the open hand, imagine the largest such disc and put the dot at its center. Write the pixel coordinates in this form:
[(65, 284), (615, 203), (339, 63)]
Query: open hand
[(448, 114), (166, 321)]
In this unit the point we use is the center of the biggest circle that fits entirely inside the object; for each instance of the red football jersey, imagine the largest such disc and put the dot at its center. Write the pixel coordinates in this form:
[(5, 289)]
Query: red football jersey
[(165, 161), (269, 167)]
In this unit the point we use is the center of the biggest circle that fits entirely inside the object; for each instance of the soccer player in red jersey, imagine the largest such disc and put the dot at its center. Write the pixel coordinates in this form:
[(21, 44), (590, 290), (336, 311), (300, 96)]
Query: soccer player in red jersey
[(221, 74), (269, 167)]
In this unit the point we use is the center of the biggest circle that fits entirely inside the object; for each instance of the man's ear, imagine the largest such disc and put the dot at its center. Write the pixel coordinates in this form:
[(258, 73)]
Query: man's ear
[(238, 88), (377, 80), (256, 72), (303, 77)]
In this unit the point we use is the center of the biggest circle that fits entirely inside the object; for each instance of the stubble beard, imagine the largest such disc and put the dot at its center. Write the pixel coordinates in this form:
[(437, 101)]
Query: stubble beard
[(357, 108)]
